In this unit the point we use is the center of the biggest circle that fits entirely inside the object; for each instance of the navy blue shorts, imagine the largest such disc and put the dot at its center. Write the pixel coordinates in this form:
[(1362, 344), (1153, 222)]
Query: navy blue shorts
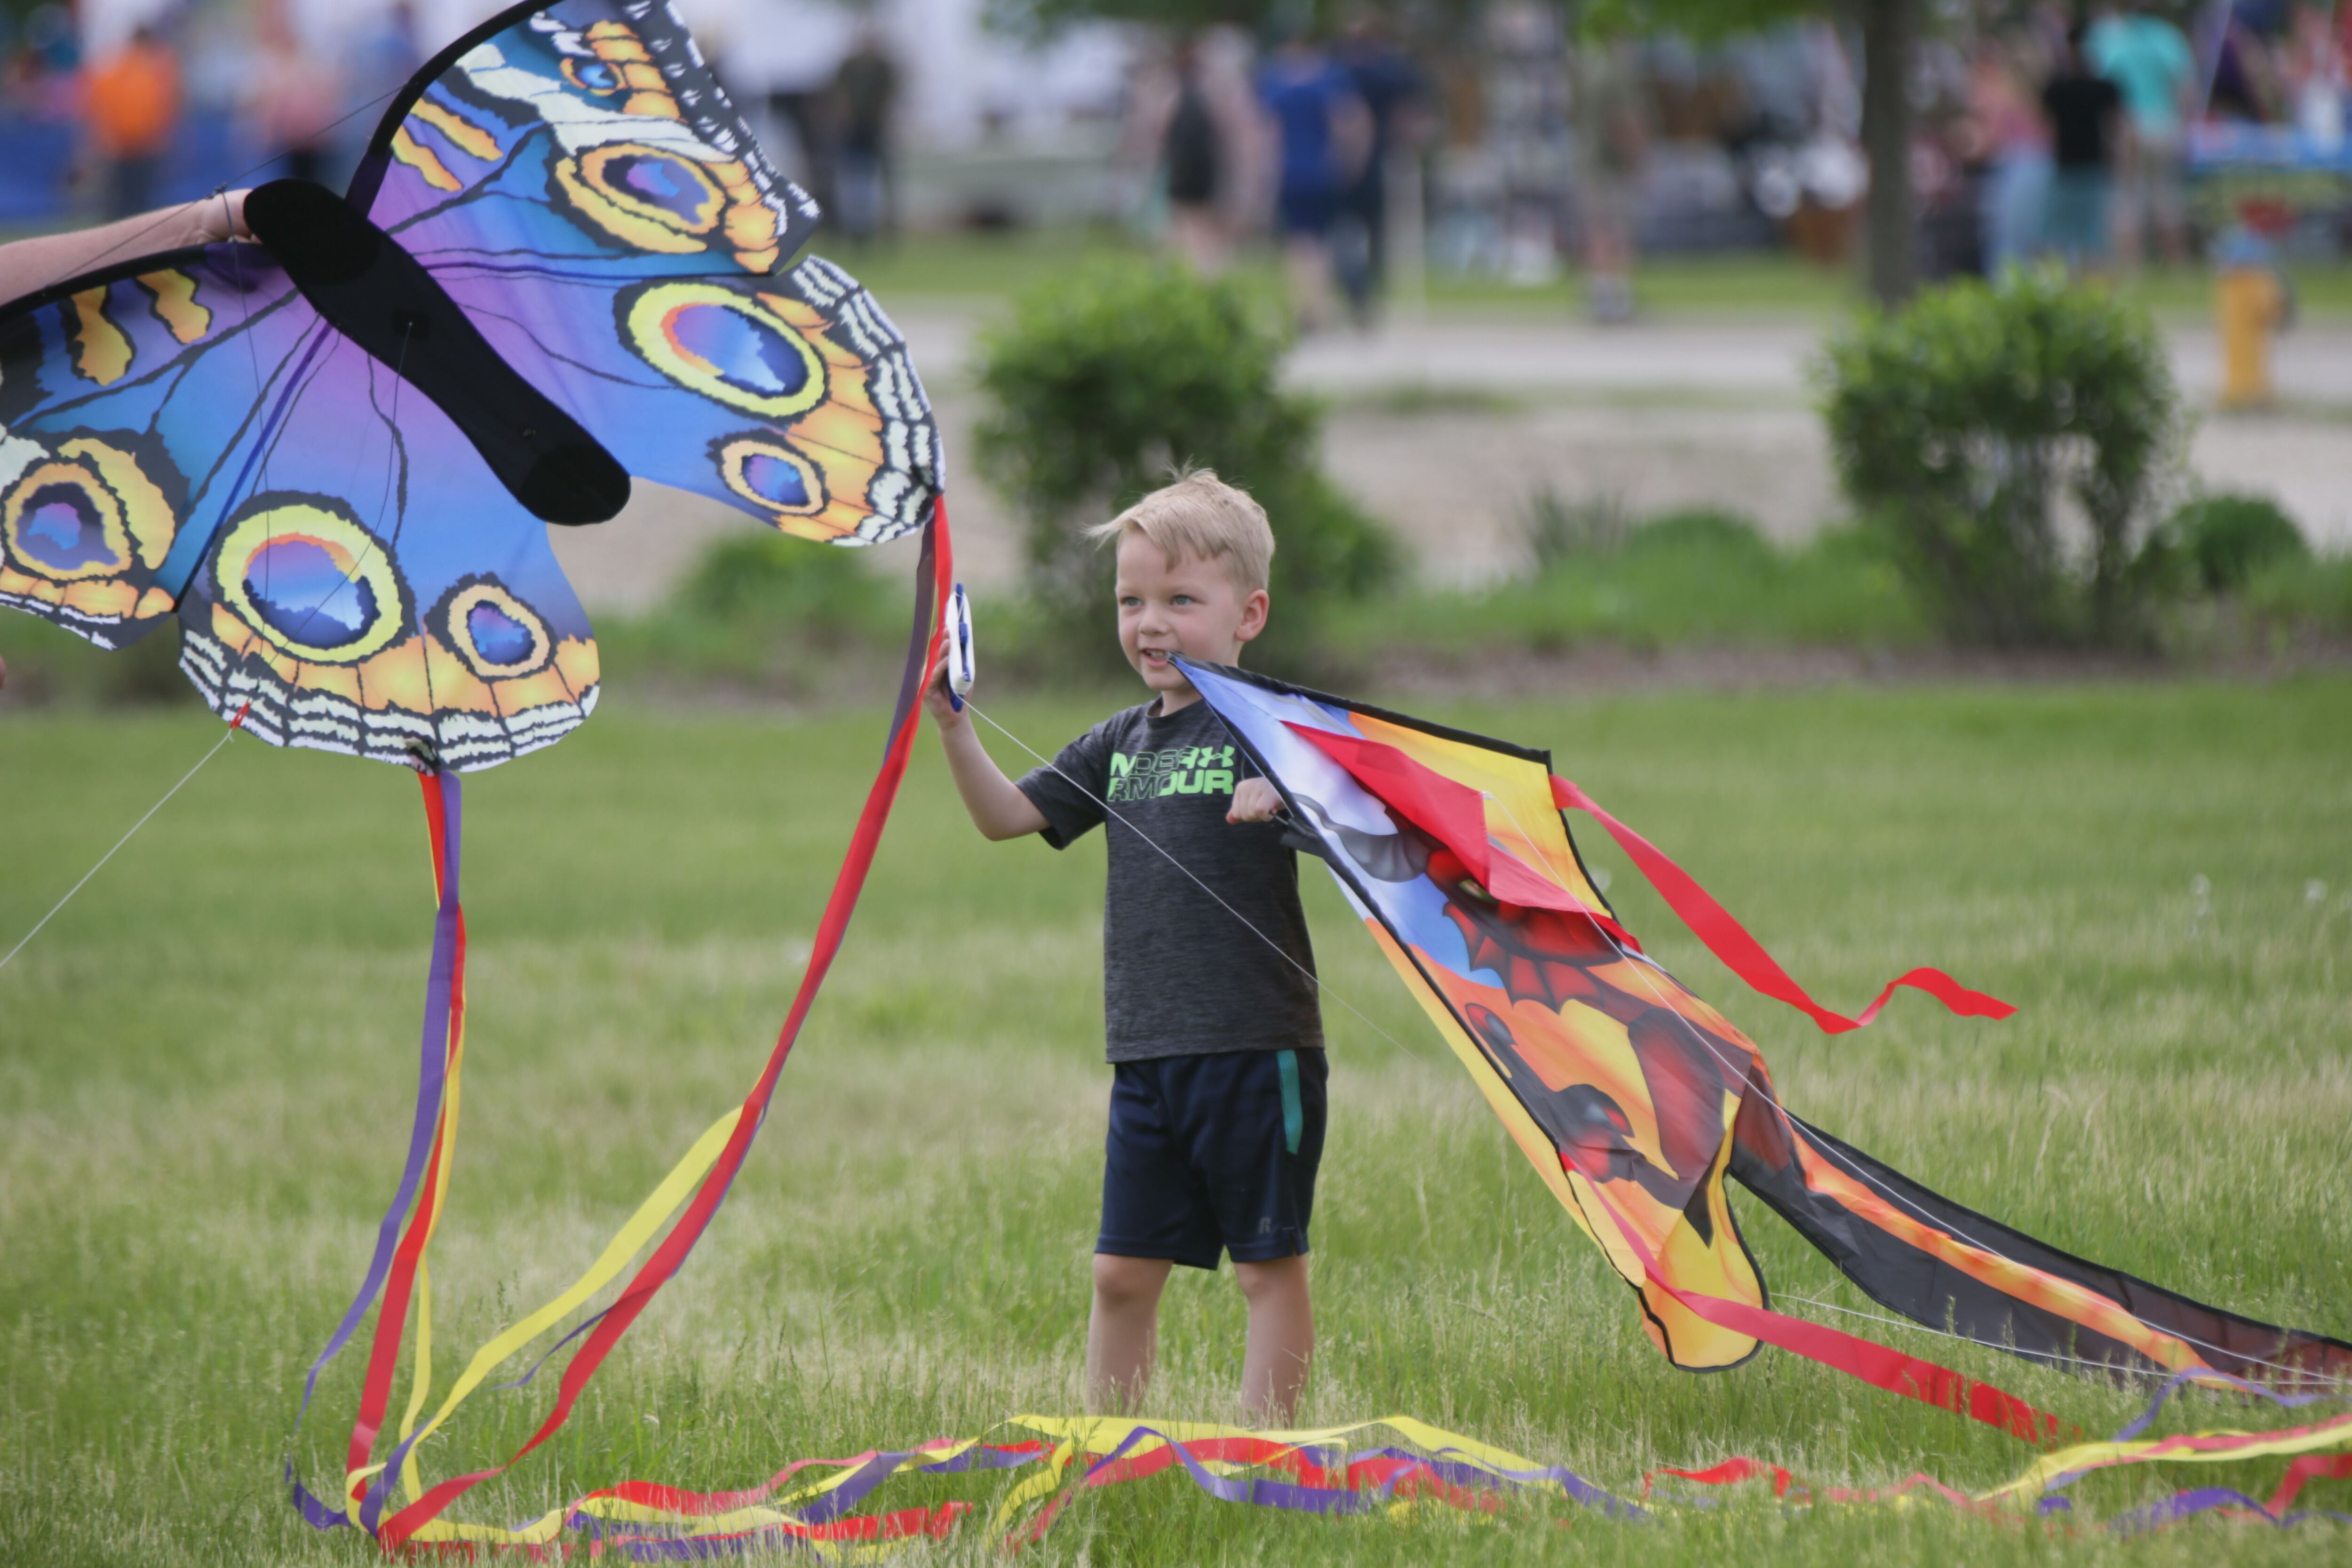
[(1212, 1154)]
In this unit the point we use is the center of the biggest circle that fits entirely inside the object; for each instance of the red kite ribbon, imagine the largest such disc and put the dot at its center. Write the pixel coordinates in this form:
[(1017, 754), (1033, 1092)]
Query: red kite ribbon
[(922, 653), (1881, 1366), (1742, 953), (1455, 816)]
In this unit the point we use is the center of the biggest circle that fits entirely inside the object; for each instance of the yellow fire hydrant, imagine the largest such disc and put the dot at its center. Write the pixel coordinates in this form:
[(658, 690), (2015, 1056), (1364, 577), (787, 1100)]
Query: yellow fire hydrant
[(2251, 300)]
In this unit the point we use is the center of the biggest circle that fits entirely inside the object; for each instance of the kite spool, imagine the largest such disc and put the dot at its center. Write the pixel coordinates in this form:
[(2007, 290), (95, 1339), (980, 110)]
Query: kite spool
[(955, 624)]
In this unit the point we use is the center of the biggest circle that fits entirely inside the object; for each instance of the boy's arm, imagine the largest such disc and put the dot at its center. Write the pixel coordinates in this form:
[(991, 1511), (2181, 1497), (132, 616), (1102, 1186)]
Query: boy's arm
[(998, 808)]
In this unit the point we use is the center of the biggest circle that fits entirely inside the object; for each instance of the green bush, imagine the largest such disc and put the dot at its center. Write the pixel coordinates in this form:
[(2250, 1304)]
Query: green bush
[(48, 664), (2227, 539), (2303, 595), (1101, 386), (1700, 533), (766, 580), (768, 614), (1957, 426)]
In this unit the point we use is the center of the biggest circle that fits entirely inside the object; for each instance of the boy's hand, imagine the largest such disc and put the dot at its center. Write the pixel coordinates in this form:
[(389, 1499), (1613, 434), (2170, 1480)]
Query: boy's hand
[(944, 712), (1255, 800)]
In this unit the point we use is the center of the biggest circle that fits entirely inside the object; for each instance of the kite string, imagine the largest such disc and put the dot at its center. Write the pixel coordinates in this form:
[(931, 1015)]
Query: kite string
[(227, 736), (1319, 983)]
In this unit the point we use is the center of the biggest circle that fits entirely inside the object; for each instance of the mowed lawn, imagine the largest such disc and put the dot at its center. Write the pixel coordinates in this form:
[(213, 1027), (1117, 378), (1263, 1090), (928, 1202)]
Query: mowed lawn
[(206, 1065)]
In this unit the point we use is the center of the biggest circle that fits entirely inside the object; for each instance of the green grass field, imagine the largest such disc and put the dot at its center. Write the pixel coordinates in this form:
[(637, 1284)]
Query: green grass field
[(206, 1062)]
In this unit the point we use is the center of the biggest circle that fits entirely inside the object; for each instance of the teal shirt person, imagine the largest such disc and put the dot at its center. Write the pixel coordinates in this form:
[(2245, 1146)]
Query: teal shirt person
[(2148, 61)]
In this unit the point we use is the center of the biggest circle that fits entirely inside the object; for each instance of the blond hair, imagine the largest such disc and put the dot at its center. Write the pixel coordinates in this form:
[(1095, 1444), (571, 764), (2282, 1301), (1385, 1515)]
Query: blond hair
[(1200, 518)]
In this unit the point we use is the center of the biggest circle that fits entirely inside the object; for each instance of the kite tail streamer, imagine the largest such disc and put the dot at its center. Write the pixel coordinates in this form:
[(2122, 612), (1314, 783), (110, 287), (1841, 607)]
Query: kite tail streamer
[(1745, 956), (437, 1062), (1947, 1268), (934, 572)]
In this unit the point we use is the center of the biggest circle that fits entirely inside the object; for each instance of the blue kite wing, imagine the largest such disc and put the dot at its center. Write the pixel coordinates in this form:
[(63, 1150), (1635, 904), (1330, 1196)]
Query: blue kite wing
[(347, 572), (187, 432), (578, 183), (128, 407)]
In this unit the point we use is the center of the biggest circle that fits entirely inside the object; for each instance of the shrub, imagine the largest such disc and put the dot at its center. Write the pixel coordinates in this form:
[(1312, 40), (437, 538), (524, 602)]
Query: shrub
[(763, 613), (48, 664), (2307, 596), (1557, 530), (1700, 533), (1101, 385), (1957, 425), (2230, 538), (767, 581)]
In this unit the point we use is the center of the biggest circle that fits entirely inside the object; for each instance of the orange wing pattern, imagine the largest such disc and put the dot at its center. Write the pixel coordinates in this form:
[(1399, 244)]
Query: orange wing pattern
[(1633, 1099)]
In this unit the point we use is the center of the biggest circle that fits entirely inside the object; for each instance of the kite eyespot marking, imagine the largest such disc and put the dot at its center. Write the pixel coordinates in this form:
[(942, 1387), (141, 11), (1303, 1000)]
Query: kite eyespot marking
[(495, 634), (643, 196), (87, 512), (600, 77), (732, 348), (308, 578), (767, 472)]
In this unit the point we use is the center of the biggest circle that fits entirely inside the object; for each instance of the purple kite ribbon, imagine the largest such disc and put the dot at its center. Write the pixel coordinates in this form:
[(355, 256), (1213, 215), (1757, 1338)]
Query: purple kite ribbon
[(2204, 1499), (1297, 1497), (431, 1078), (2178, 1380)]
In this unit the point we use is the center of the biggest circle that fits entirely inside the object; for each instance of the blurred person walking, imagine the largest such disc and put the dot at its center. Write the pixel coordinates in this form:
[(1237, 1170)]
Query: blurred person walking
[(2084, 108), (1392, 87), (1612, 137), (865, 89), (2015, 146), (2315, 77), (1196, 160), (2149, 61), (131, 107), (292, 97), (1325, 135)]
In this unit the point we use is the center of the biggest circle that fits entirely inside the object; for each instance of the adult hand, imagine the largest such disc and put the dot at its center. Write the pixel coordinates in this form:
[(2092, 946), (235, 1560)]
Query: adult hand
[(1255, 800)]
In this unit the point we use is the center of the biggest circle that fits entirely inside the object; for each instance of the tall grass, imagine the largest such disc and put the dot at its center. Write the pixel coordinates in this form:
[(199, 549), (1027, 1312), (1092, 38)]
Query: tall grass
[(206, 1064), (1686, 579)]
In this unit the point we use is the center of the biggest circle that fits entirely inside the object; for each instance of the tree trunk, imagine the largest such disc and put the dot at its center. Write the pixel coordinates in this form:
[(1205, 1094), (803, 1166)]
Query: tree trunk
[(1890, 31)]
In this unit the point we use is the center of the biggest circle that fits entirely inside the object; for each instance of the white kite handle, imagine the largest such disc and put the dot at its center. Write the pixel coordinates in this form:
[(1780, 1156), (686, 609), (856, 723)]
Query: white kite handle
[(955, 624)]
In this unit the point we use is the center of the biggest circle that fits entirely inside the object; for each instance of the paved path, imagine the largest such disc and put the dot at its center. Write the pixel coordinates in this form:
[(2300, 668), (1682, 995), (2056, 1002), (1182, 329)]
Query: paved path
[(1651, 416)]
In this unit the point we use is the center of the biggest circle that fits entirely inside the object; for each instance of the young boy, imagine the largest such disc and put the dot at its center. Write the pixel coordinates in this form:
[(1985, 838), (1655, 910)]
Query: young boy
[(1216, 1105)]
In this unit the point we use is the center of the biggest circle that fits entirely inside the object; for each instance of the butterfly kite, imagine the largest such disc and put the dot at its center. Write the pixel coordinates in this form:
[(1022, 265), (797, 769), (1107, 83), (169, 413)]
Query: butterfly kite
[(1634, 1099), (333, 454)]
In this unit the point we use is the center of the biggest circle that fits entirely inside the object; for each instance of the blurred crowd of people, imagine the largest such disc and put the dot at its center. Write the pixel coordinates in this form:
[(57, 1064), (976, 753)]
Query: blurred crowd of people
[(1491, 140), (193, 97), (1306, 140), (2070, 135)]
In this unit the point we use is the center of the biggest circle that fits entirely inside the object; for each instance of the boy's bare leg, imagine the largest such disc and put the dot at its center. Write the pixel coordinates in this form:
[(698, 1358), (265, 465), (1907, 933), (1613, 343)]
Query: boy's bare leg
[(1124, 1330), (1281, 1337)]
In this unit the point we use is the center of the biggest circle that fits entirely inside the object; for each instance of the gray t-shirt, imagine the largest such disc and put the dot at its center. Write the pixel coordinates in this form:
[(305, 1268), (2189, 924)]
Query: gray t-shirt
[(1183, 976)]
